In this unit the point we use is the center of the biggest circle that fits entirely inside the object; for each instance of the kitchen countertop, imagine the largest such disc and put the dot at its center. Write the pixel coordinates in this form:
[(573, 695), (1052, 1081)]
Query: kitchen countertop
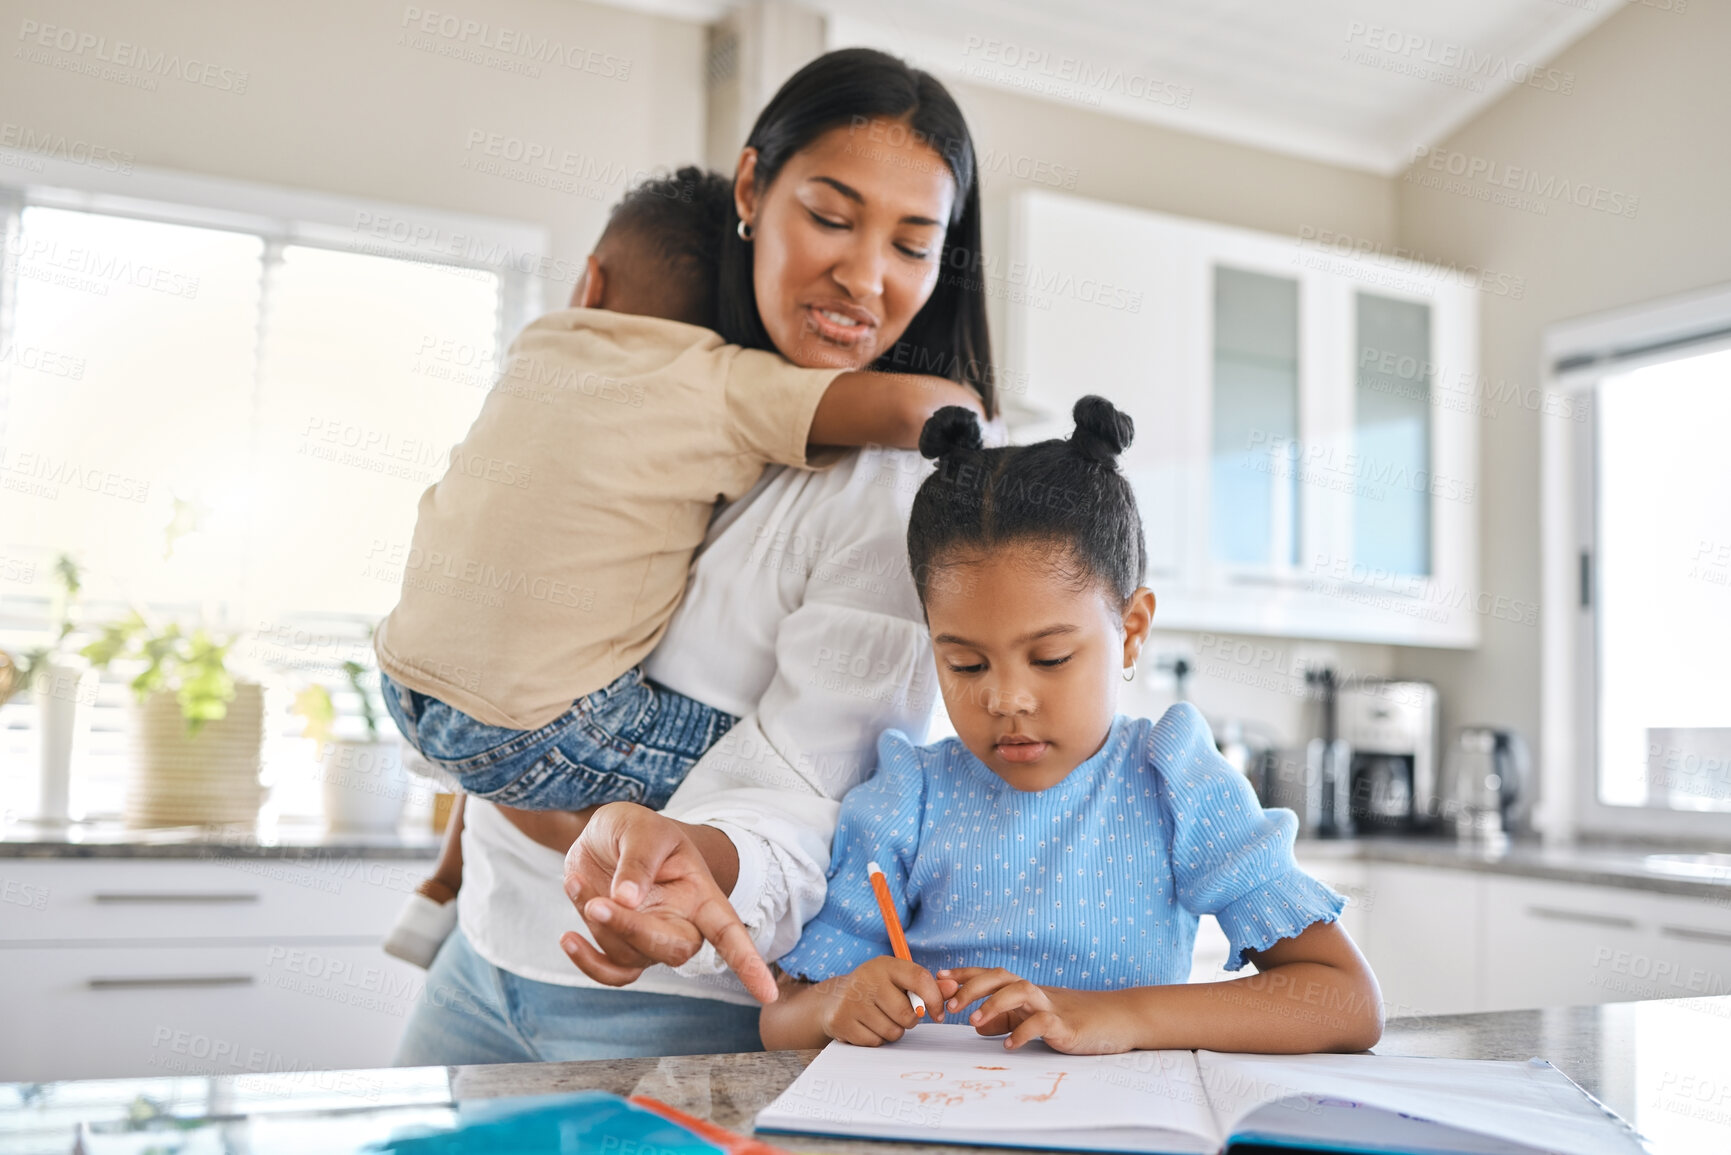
[(1663, 1065), (301, 841), (1658, 869), (1655, 869)]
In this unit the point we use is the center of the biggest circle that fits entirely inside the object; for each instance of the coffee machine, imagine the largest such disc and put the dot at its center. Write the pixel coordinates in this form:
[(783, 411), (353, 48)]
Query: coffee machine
[(1312, 779), (1391, 730)]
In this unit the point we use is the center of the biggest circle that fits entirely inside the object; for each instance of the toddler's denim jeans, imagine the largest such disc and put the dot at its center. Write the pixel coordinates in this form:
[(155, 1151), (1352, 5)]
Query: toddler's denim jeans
[(633, 740)]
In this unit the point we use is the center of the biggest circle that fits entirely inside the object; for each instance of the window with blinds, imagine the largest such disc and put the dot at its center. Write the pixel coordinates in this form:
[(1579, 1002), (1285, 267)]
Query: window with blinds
[(225, 427)]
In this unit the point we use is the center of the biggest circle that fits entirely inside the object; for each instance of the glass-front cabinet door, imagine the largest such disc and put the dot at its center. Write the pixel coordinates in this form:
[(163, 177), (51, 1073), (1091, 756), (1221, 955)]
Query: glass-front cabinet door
[(1311, 452), (1253, 452), (1391, 519)]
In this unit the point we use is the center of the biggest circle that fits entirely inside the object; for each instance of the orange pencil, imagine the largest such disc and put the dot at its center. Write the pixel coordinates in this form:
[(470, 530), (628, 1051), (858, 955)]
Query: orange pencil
[(893, 924)]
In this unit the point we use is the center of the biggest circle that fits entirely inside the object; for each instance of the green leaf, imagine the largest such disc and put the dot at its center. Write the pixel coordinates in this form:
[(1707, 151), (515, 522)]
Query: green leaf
[(114, 640), (66, 569), (314, 704)]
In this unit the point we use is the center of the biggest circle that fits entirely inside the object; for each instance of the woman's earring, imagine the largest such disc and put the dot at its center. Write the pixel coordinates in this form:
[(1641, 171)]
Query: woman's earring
[(1129, 673), (744, 231)]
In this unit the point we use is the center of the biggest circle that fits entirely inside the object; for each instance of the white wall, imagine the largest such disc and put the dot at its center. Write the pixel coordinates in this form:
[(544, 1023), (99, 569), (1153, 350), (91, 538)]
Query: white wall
[(1647, 119), (334, 100), (337, 98), (1031, 143)]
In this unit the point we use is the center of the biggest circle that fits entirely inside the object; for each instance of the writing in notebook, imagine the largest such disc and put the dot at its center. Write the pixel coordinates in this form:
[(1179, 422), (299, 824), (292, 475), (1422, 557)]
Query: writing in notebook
[(945, 1083)]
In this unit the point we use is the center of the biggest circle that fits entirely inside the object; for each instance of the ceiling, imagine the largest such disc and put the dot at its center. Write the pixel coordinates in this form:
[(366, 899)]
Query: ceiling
[(1359, 83)]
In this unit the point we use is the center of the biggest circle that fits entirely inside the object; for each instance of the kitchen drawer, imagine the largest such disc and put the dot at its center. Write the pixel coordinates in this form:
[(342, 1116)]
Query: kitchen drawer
[(1351, 880), (1555, 944), (1422, 938), (107, 1012), (1208, 958), (62, 900)]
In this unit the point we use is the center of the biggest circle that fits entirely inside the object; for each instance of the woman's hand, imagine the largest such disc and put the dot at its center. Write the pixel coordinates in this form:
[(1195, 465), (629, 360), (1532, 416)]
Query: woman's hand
[(867, 1008), (1075, 1022), (643, 885)]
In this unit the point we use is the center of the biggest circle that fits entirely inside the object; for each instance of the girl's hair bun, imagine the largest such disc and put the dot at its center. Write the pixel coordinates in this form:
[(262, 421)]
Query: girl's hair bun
[(951, 429), (1102, 432)]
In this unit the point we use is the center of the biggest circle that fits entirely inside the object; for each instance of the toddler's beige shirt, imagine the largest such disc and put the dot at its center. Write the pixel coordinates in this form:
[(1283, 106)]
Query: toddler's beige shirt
[(549, 558)]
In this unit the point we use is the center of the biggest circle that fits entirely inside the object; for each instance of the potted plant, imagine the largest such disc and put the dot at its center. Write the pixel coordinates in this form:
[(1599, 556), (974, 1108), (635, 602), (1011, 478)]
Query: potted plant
[(197, 731), (58, 682), (365, 784)]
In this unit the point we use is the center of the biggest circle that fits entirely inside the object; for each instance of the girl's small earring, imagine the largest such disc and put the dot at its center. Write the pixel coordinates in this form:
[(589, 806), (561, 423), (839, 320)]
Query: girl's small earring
[(1129, 673), (744, 231)]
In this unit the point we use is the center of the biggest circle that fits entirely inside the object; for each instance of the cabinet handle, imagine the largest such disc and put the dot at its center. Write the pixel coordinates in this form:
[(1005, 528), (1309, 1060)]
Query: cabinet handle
[(154, 896), (1553, 913), (157, 982), (1717, 937)]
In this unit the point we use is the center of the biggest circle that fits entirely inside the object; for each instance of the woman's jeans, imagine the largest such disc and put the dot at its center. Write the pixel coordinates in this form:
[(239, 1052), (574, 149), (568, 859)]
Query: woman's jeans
[(633, 740), (473, 1012)]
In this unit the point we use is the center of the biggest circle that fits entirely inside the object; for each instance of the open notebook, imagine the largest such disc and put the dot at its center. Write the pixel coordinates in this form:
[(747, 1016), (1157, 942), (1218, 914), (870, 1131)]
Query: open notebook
[(942, 1083)]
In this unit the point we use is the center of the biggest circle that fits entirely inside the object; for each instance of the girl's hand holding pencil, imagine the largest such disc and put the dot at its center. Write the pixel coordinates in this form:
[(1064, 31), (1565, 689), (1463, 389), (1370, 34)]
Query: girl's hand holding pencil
[(870, 1006)]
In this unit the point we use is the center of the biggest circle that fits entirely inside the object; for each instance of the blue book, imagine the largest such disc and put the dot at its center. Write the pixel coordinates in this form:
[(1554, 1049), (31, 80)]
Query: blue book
[(943, 1083), (581, 1123)]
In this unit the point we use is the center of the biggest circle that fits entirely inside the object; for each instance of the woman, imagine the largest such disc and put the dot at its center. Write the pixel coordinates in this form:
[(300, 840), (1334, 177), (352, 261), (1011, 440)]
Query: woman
[(854, 245)]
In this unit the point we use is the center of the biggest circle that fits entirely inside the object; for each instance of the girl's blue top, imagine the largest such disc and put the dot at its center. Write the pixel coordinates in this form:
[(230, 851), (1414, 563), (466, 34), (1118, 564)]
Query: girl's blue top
[(1092, 884)]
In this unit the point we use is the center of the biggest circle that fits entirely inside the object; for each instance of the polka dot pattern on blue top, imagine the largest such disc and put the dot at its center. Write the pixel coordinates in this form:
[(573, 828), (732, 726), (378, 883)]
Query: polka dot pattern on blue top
[(1095, 883)]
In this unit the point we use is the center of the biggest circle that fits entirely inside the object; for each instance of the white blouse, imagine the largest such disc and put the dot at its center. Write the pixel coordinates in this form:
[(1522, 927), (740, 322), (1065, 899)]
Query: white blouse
[(801, 618)]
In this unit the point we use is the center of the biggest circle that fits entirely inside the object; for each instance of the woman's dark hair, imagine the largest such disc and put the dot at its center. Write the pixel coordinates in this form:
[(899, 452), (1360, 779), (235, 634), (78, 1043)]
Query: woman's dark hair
[(852, 87), (1065, 494)]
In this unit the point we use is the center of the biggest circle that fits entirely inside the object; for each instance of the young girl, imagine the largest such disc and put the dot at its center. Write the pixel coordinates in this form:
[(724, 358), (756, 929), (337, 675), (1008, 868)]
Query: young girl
[(1049, 863)]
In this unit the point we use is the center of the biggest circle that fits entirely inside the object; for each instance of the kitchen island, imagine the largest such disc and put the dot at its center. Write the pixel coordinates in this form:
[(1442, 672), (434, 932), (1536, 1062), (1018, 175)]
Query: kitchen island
[(1664, 1065)]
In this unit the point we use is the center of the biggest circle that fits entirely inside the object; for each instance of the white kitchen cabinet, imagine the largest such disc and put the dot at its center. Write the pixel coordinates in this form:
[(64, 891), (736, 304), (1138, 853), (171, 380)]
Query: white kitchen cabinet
[(1447, 940), (1306, 432), (1422, 938), (1558, 944), (1345, 876), (1348, 878), (226, 965)]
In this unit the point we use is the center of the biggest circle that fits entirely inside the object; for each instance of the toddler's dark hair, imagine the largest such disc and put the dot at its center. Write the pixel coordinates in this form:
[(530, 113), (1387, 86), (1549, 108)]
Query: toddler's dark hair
[(676, 223), (1065, 494)]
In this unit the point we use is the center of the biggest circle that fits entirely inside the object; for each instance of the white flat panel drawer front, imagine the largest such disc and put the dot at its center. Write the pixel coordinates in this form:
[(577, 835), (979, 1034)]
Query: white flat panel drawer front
[(110, 1012), (1422, 938), (1348, 878), (1553, 944), (129, 900)]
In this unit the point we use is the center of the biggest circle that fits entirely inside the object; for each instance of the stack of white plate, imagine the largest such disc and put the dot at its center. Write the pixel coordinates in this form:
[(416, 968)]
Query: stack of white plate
[(205, 779)]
